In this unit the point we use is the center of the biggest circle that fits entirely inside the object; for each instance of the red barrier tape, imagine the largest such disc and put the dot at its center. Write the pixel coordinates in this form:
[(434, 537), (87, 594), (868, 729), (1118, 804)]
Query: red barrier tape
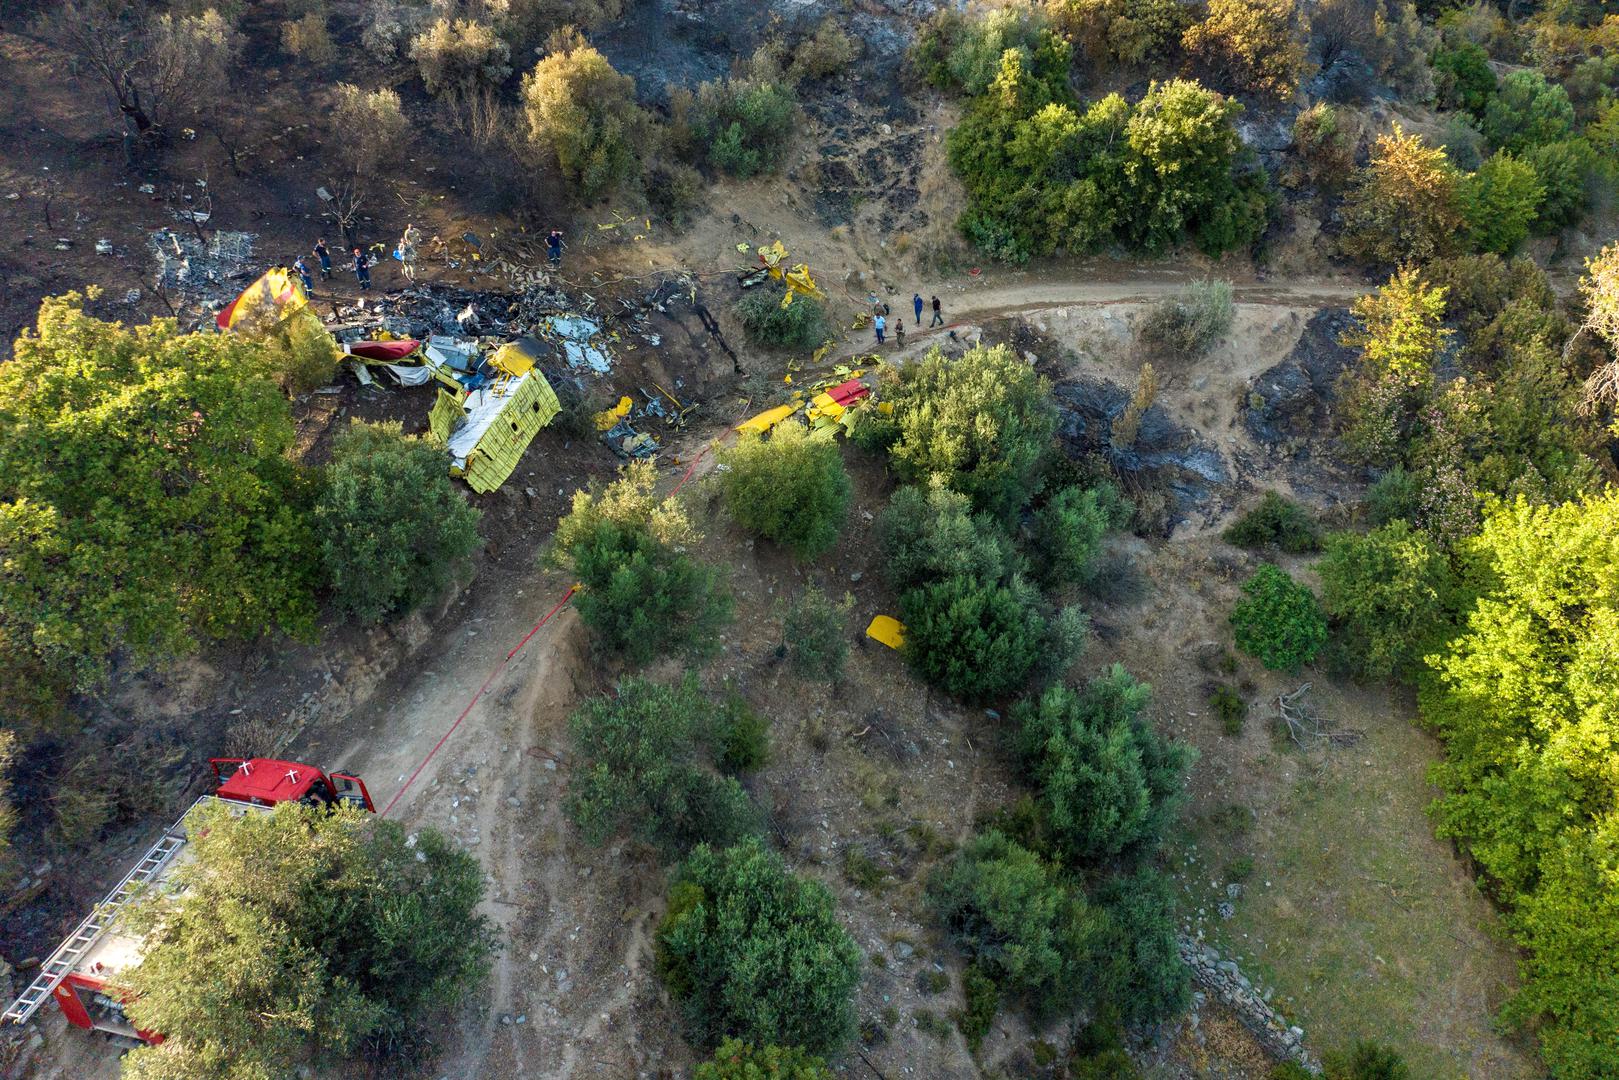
[(498, 668)]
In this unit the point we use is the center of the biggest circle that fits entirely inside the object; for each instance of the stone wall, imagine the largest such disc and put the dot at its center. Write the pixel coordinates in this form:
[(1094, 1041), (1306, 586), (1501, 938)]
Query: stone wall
[(1223, 979)]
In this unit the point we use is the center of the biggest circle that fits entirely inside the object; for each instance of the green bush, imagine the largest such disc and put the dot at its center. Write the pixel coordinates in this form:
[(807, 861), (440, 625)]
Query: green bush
[(1405, 205), (978, 641), (741, 735), (803, 324), (743, 127), (956, 52), (931, 535), (1229, 706), (1389, 595), (1150, 982), (1522, 700), (638, 769), (1323, 148), (302, 354), (981, 1001), (816, 634), (1463, 77), (791, 488), (304, 936), (642, 596), (753, 952), (583, 112), (1279, 621), (1396, 496), (1565, 171), (1106, 782), (1500, 202), (983, 423), (148, 499), (1367, 1060), (1189, 324), (1066, 534), (1276, 520), (737, 1060), (1527, 110), (1045, 175), (1252, 45), (392, 527), (1022, 925)]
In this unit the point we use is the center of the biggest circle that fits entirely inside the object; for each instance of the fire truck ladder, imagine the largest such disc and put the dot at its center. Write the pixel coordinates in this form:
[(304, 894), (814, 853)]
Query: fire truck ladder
[(61, 963)]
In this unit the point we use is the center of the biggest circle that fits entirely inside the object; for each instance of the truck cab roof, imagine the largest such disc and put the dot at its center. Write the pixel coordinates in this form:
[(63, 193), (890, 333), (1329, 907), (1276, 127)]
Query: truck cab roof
[(267, 781)]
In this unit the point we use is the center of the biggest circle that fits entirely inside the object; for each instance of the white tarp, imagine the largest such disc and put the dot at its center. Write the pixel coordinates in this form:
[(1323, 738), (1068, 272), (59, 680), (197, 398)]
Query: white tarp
[(482, 409), (410, 374), (575, 332)]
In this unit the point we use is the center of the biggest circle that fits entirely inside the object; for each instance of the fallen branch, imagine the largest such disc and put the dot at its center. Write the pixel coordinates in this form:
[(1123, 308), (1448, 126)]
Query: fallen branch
[(1307, 728)]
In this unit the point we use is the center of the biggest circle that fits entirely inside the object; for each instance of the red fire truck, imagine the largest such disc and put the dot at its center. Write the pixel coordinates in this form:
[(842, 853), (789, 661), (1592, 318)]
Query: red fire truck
[(77, 974)]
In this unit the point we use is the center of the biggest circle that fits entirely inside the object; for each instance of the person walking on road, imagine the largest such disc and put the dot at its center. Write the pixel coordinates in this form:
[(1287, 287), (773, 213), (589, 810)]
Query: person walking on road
[(879, 324), (325, 258), (916, 302), (362, 270), (938, 320), (302, 267)]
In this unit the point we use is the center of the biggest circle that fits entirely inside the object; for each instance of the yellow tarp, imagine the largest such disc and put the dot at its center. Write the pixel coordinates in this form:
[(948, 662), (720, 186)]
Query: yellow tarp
[(277, 294), (888, 630), (608, 419), (762, 423)]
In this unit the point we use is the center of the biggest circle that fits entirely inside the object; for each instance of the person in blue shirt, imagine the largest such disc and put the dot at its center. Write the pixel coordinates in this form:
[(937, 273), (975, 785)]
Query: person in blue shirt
[(879, 324), (362, 269), (553, 247), (916, 302), (325, 258), (299, 265)]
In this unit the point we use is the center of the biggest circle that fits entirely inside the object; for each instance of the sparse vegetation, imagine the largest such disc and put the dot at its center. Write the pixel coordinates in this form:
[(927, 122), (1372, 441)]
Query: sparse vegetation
[(1190, 324), (815, 633), (1231, 709), (1275, 521)]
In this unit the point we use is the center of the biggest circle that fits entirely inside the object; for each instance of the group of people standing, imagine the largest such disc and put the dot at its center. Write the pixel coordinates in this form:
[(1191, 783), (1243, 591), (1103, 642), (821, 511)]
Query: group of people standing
[(880, 312), (406, 254)]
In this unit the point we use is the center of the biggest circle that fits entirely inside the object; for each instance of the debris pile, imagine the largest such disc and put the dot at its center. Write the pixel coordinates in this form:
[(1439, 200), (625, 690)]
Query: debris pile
[(203, 270)]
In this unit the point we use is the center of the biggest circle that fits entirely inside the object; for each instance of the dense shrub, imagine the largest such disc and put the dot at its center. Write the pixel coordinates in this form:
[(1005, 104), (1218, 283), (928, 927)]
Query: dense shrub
[(1230, 708), (1278, 621), (967, 54), (1462, 141), (741, 127), (457, 57), (1250, 45), (737, 1060), (1389, 595), (584, 113), (639, 769), (303, 936), (1017, 919), (1118, 32), (1323, 149), (1045, 175), (307, 39), (1400, 335), (643, 596), (815, 634), (1405, 206), (1191, 323), (1066, 533), (300, 353), (675, 191), (979, 640), (753, 952), (373, 126), (1527, 110), (828, 50), (1279, 521), (803, 324), (1500, 202), (1463, 77), (1106, 782), (1521, 700), (982, 423), (129, 526), (1566, 172), (392, 528), (791, 488), (1151, 983), (741, 735), (931, 535)]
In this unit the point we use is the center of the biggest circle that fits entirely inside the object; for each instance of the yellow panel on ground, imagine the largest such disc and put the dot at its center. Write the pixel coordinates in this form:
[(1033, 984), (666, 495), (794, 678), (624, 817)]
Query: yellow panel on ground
[(533, 406), (888, 630), (443, 417), (762, 423), (512, 360)]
